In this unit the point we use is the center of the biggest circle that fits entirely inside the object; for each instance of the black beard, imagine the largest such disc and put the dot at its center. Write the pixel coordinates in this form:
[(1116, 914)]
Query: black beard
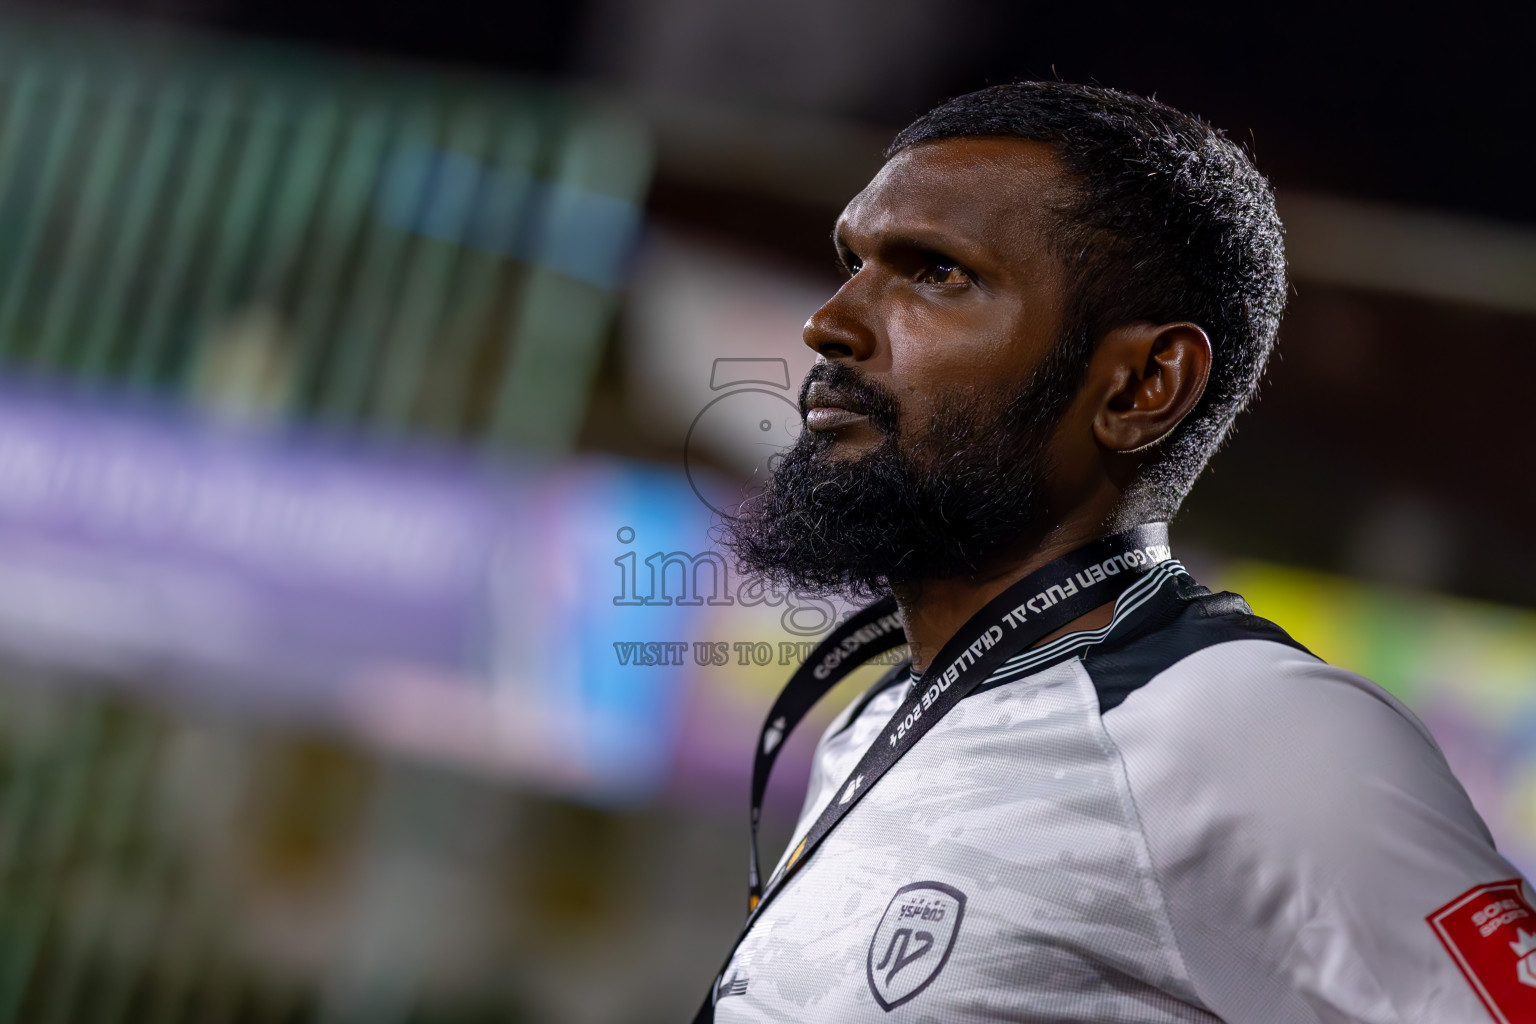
[(935, 507)]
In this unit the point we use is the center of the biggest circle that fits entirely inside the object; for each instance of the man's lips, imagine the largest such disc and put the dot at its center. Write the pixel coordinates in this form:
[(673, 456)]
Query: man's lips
[(828, 409), (830, 417)]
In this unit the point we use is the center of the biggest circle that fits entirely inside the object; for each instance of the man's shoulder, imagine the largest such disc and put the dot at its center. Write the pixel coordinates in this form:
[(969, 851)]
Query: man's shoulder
[(1217, 705), (1297, 817), (1284, 755), (1208, 677), (1192, 620)]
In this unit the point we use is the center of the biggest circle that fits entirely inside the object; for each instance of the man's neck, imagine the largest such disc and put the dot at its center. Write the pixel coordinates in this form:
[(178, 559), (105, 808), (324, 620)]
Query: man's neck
[(933, 611)]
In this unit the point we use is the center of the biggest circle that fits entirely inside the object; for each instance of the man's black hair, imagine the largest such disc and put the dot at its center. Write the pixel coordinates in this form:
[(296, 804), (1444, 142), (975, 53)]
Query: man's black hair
[(1167, 220)]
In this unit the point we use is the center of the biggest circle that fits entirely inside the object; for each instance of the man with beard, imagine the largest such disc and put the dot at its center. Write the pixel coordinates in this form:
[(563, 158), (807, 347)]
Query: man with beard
[(1097, 791)]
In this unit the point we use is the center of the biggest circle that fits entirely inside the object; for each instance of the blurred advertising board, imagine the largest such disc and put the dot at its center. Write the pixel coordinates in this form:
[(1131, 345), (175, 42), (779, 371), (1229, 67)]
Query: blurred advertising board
[(559, 621), (433, 600)]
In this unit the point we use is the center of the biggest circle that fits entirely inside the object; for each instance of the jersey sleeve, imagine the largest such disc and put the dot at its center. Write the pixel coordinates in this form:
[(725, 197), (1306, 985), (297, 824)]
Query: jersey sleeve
[(1306, 831)]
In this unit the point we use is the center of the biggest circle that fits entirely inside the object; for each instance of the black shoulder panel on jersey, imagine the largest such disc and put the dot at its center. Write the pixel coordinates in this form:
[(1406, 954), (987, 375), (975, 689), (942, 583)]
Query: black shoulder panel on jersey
[(1194, 620)]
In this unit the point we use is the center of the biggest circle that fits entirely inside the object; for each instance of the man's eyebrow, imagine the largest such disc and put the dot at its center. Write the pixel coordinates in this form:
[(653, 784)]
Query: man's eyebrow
[(916, 241), (949, 247)]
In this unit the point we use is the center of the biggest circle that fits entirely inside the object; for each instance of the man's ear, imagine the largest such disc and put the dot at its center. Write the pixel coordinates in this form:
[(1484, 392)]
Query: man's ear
[(1149, 376)]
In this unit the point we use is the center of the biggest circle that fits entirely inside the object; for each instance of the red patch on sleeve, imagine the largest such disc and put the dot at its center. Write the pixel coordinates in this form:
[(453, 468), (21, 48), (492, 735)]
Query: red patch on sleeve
[(1490, 932)]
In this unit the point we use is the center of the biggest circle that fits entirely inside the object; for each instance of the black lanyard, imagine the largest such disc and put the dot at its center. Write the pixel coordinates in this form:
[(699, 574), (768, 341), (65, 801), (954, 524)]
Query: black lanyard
[(1015, 620)]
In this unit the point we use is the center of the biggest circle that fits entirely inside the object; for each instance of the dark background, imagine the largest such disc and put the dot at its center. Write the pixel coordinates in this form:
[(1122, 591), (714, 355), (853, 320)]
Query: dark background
[(1424, 105)]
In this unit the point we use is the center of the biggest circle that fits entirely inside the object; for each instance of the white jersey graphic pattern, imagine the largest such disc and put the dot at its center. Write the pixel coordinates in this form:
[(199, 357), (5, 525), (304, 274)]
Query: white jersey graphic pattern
[(1246, 834)]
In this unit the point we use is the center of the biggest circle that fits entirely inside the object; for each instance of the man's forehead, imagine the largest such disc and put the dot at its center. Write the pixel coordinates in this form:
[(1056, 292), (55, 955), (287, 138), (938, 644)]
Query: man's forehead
[(975, 186)]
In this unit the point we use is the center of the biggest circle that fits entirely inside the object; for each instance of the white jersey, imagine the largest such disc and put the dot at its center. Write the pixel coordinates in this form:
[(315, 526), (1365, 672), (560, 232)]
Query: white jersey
[(1181, 817)]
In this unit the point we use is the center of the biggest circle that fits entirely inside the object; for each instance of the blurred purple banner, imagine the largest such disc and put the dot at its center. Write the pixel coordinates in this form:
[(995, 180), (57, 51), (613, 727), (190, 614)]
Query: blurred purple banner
[(434, 601)]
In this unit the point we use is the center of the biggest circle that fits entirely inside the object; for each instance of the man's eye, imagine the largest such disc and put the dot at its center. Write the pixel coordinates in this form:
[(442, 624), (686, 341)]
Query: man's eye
[(940, 272)]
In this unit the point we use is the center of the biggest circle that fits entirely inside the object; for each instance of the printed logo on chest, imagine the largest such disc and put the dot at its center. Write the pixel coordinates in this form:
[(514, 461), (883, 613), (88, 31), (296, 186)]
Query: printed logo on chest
[(913, 941)]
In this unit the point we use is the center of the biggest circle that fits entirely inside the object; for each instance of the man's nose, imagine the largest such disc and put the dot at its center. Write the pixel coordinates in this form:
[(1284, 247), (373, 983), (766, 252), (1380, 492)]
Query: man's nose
[(837, 331)]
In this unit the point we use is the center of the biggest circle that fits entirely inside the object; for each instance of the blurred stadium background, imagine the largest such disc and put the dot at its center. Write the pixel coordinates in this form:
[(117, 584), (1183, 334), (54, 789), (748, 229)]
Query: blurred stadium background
[(368, 379)]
